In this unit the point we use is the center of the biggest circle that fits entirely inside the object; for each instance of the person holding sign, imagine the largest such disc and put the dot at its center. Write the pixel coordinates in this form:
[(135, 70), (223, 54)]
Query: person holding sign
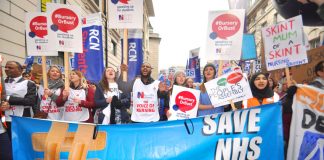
[(146, 92), (108, 100), (78, 100), (262, 93), (48, 96), (205, 105), (180, 80)]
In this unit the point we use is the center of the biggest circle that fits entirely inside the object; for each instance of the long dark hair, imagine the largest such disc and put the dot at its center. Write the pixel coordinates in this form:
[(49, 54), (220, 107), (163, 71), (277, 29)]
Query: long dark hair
[(103, 82), (202, 86)]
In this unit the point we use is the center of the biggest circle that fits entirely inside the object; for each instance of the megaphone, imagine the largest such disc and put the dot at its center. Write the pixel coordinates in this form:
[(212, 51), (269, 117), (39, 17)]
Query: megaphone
[(292, 8)]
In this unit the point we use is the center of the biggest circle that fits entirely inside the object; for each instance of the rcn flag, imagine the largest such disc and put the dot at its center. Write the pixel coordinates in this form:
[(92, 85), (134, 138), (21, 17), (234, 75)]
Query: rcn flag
[(254, 133), (193, 69), (90, 62), (135, 53)]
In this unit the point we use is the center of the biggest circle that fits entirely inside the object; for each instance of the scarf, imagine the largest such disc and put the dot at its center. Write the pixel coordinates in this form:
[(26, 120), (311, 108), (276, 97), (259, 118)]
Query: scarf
[(257, 93)]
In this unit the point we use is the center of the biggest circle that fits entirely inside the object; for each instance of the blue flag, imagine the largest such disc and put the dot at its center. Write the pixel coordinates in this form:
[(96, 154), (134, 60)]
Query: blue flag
[(193, 69), (135, 53), (90, 62), (254, 133)]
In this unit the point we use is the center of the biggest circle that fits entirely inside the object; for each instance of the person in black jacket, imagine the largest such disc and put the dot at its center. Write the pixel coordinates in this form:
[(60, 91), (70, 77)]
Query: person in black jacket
[(111, 103), (20, 94)]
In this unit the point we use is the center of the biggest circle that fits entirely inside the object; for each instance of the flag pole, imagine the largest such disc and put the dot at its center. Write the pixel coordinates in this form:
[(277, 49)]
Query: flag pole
[(66, 70)]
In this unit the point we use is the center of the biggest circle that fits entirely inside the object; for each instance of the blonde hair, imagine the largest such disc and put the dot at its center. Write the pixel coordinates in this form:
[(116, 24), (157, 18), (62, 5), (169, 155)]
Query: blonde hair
[(83, 81)]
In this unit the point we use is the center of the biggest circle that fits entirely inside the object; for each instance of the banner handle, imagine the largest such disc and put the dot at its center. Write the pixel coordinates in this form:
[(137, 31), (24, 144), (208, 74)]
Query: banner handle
[(288, 76), (187, 127)]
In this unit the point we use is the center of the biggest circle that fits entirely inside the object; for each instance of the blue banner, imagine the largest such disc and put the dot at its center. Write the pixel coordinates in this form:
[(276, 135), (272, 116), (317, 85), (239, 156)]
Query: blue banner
[(135, 53), (193, 69), (254, 133), (248, 47), (29, 63), (90, 62)]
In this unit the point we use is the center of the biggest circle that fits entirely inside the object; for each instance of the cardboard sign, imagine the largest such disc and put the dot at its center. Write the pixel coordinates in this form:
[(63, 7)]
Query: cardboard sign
[(225, 34), (284, 46), (228, 87), (64, 27), (125, 14), (37, 39), (183, 103)]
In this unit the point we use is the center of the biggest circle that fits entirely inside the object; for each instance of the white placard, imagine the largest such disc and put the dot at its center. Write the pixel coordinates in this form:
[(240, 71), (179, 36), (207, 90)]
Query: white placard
[(183, 103), (125, 14), (230, 86), (225, 34), (64, 27), (38, 43)]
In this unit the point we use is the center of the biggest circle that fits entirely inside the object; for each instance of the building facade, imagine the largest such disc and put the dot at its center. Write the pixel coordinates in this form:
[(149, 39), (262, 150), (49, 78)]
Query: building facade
[(12, 29)]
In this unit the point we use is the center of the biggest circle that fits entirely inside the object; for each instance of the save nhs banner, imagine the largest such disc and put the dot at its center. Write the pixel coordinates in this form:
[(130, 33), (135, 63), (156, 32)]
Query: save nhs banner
[(135, 53), (254, 133), (90, 62)]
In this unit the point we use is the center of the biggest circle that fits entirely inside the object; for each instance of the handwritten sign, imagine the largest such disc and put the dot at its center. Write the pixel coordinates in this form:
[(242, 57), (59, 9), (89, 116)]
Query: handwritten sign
[(228, 87), (284, 45)]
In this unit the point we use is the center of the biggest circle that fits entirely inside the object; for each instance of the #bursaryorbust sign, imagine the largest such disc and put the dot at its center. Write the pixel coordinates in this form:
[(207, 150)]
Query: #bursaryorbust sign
[(64, 27), (225, 34), (38, 43), (231, 86), (125, 14), (284, 45), (183, 103)]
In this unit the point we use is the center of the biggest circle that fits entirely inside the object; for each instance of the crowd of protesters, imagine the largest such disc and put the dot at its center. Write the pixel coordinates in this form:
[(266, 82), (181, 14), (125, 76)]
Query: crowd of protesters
[(110, 101)]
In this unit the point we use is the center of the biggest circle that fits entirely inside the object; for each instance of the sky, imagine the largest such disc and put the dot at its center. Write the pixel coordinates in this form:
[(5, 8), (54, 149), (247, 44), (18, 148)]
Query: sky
[(182, 25)]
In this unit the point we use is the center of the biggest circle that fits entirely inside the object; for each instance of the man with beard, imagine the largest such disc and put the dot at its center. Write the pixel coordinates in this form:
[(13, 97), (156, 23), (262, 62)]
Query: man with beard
[(146, 91)]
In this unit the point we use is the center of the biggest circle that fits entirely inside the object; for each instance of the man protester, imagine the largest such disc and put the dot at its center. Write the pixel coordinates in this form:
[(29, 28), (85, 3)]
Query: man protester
[(20, 94), (146, 93)]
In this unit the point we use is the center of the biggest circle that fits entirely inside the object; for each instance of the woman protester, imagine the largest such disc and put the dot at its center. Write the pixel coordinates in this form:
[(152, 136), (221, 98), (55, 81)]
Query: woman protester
[(262, 93), (47, 97), (189, 83), (110, 101), (205, 107), (78, 100)]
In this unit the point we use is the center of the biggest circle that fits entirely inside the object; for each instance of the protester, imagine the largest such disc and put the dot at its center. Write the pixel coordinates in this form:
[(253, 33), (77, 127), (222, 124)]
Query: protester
[(205, 107), (110, 110), (318, 82), (189, 83), (146, 92), (179, 80), (20, 94), (5, 141), (78, 100), (26, 76), (48, 96), (262, 93)]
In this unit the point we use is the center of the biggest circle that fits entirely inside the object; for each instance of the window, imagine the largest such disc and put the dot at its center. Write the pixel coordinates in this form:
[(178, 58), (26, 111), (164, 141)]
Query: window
[(114, 49), (314, 43), (275, 18)]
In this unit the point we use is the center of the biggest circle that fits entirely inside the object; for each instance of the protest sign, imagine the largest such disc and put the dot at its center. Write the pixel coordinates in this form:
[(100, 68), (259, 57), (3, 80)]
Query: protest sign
[(125, 14), (37, 39), (225, 34), (90, 62), (284, 45), (64, 27), (243, 134), (228, 87), (183, 103), (306, 140)]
